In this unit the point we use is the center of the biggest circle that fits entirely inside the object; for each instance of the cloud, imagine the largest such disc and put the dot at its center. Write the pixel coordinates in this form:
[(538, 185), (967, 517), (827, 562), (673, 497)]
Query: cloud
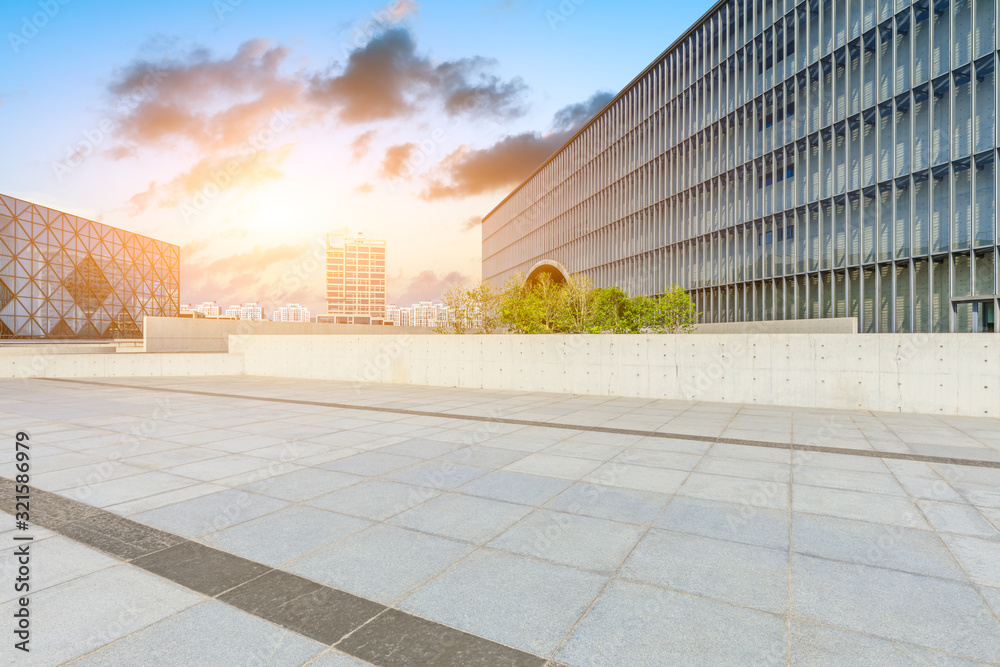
[(472, 223), (386, 79), (211, 176), (504, 164), (273, 276), (361, 145), (573, 116), (508, 162), (396, 160), (365, 188), (200, 100), (398, 11), (426, 286)]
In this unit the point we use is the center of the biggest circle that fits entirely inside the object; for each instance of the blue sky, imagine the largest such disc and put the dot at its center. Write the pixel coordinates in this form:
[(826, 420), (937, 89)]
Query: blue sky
[(298, 94)]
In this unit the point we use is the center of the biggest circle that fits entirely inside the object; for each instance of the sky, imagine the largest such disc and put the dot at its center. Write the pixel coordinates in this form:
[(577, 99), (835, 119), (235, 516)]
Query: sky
[(246, 131)]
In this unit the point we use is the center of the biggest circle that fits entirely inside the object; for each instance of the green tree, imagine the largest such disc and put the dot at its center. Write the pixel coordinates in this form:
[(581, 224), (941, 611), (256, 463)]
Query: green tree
[(677, 313)]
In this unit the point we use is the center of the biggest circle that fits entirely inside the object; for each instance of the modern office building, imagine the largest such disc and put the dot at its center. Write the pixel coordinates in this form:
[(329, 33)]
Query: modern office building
[(355, 280), (66, 277), (293, 312), (786, 159)]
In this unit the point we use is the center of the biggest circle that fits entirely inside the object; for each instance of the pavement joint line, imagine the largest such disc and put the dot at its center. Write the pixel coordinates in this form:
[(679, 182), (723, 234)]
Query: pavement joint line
[(330, 624), (847, 451)]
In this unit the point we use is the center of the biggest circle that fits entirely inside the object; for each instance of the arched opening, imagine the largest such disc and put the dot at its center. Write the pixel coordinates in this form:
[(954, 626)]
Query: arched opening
[(556, 271)]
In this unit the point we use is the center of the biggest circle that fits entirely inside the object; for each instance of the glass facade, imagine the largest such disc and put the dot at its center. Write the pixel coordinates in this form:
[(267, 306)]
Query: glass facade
[(788, 159), (66, 277)]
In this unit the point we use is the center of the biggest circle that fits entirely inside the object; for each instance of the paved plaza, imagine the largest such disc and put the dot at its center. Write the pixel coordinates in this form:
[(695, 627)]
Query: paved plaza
[(262, 521)]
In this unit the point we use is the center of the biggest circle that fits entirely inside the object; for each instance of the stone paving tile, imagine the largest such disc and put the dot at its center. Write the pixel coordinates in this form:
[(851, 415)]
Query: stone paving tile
[(551, 465), (642, 478), (934, 613), (302, 485), (69, 478), (172, 457), (523, 603), (437, 474), (515, 487), (957, 518), (732, 572), (727, 521), (211, 470), (818, 645), (584, 542), (63, 559), (872, 507), (929, 489), (125, 489), (635, 624), (897, 548), (852, 480), (207, 514), (374, 499), (979, 557), (462, 517), (163, 499), (750, 493), (371, 463), (763, 470), (608, 502), (288, 534), (236, 638), (383, 563), (421, 448), (658, 459), (85, 613)]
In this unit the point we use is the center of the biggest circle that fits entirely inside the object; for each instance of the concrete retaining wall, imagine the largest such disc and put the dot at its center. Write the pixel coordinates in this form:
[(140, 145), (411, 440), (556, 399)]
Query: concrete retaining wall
[(181, 334), (956, 374), (825, 325), (119, 365)]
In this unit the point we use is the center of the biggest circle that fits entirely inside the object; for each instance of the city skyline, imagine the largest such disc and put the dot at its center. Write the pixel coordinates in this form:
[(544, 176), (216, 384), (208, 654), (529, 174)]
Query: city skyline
[(292, 143)]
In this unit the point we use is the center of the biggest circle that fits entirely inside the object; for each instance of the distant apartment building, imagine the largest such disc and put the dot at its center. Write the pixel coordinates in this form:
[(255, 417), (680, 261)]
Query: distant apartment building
[(293, 312), (422, 314), (246, 311), (355, 281), (206, 308), (66, 277)]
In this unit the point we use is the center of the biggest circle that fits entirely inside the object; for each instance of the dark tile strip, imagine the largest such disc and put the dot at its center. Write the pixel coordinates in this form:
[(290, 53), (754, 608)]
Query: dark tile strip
[(362, 628), (398, 639), (847, 451)]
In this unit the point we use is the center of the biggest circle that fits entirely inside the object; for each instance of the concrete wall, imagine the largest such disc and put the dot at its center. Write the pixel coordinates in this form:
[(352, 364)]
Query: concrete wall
[(118, 365), (825, 325), (955, 374), (176, 334)]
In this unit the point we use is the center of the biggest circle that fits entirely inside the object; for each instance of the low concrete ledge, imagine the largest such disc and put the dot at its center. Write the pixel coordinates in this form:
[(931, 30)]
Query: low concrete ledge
[(177, 334), (955, 374), (119, 365)]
